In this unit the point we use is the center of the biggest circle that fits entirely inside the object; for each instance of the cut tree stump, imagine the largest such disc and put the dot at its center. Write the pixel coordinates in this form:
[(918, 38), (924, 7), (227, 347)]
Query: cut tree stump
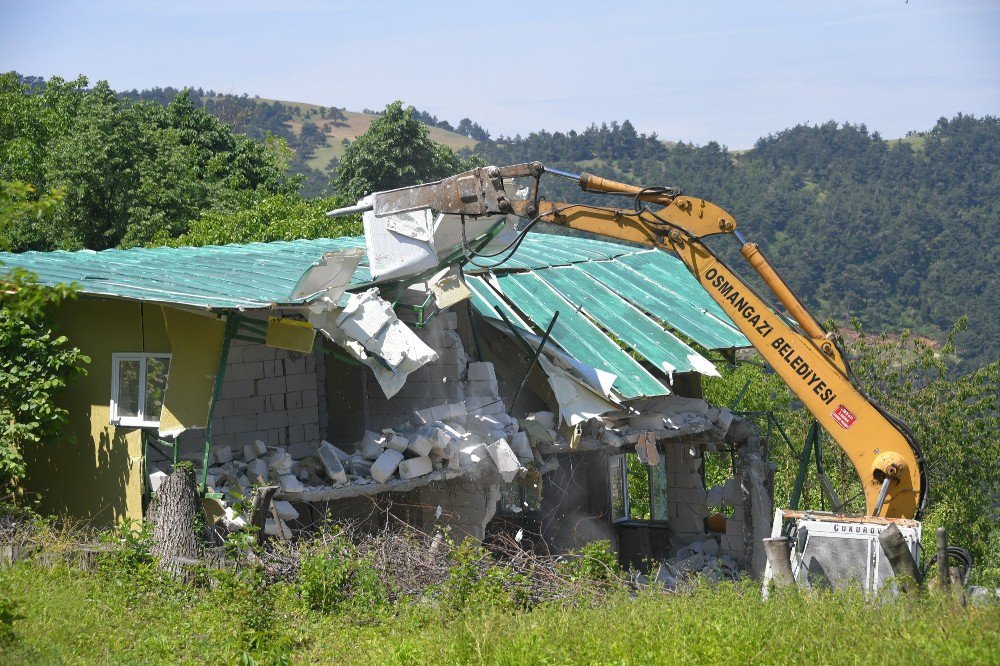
[(174, 513), (261, 508)]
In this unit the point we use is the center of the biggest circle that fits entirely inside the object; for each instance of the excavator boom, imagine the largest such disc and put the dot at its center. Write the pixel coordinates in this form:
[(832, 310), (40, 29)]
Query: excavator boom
[(808, 360)]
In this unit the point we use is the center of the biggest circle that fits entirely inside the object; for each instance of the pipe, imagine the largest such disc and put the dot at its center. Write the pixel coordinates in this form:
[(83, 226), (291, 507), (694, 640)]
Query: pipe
[(351, 210)]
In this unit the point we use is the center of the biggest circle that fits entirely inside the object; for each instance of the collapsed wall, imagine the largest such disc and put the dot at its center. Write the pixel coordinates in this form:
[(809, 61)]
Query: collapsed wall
[(444, 445)]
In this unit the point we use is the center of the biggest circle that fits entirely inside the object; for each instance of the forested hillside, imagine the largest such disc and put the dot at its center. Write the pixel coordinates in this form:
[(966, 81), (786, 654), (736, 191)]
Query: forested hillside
[(898, 234)]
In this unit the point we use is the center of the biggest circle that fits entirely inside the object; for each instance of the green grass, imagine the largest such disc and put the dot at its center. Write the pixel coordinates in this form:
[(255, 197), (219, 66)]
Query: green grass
[(71, 616)]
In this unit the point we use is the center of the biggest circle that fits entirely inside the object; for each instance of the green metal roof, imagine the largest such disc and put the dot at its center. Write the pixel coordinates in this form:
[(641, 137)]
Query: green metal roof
[(600, 289), (255, 275)]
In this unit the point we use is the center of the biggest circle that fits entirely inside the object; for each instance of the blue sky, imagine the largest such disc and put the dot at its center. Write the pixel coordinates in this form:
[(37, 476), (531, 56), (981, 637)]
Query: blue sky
[(692, 71)]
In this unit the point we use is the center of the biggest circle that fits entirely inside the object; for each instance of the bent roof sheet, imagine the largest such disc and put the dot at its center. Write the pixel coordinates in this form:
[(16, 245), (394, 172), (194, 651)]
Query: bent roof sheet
[(640, 297)]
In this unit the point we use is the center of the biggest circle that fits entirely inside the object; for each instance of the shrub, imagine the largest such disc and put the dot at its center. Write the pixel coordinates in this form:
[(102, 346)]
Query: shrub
[(335, 578)]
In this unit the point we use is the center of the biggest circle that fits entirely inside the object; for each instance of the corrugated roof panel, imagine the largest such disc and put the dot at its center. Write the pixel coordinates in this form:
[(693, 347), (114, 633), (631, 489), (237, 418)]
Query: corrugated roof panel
[(577, 335), (228, 276), (671, 300), (543, 250), (623, 320), (670, 270), (487, 303)]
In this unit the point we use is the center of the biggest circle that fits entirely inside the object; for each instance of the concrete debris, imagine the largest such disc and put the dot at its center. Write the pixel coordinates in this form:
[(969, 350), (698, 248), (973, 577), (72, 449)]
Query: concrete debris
[(578, 401), (332, 463), (414, 467), (285, 510), (368, 329), (156, 477), (505, 460), (700, 559)]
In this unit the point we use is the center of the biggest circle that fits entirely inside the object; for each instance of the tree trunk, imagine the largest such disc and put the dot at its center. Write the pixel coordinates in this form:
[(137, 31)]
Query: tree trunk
[(261, 507), (174, 514)]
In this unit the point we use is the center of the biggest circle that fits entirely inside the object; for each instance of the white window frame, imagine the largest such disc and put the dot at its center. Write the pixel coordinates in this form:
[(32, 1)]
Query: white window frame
[(139, 421)]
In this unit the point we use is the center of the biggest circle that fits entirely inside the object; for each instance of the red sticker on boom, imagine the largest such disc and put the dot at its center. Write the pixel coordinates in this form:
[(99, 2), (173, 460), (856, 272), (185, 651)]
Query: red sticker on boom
[(843, 416)]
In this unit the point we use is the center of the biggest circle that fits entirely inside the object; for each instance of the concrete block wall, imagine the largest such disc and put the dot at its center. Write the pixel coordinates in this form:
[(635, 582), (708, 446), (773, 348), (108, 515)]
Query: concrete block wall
[(274, 395), (437, 382), (467, 505)]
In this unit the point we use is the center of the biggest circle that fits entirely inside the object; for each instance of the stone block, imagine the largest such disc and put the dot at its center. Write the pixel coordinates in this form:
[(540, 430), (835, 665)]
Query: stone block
[(271, 385), (332, 463), (386, 465), (414, 467)]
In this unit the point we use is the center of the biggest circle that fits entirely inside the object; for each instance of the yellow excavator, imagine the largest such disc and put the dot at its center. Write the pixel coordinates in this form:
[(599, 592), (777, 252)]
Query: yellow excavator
[(808, 359)]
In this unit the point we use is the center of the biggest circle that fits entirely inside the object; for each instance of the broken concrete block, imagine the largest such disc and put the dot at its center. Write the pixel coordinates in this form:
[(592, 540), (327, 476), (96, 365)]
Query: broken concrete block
[(483, 388), (546, 419), (277, 529), (358, 466), (280, 461), (439, 440), (156, 477), (290, 485), (482, 370), (300, 450), (332, 464), (420, 445), (472, 455), (506, 462), (365, 315), (386, 465), (414, 467), (285, 510), (259, 447), (340, 453), (396, 443), (372, 445), (613, 439), (257, 469), (250, 452), (537, 433), (222, 454), (521, 447), (646, 422)]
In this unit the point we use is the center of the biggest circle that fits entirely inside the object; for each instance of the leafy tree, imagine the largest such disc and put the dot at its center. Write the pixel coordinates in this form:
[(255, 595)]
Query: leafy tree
[(281, 217), (396, 151), (36, 365), (130, 172)]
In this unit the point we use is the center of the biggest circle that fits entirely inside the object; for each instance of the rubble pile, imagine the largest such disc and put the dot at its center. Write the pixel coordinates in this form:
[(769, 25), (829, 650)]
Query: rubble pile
[(475, 435), (700, 559)]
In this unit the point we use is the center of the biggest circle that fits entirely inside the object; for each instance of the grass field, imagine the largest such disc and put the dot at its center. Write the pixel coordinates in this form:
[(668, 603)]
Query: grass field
[(69, 616)]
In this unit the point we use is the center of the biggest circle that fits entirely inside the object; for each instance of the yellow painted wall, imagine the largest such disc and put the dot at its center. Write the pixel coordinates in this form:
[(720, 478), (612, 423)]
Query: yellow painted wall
[(99, 476)]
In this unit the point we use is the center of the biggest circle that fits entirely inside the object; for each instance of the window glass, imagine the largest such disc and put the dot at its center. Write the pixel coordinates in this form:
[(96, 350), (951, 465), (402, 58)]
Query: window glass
[(128, 388), (156, 385), (638, 491)]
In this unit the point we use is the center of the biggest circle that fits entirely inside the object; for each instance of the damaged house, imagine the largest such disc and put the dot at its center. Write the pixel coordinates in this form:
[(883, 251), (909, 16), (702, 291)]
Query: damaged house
[(556, 392)]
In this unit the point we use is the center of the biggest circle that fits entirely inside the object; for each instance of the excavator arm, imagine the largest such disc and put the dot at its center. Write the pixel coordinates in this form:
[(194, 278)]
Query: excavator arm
[(808, 360)]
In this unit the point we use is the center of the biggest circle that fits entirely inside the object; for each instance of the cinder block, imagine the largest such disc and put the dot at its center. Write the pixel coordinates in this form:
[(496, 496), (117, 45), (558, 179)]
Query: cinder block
[(482, 371), (275, 368), (293, 400), (420, 446), (237, 424), (243, 388), (256, 352), (290, 486), (267, 420), (244, 438), (275, 402), (304, 382), (386, 465), (251, 405), (396, 442), (285, 510), (301, 416), (310, 431), (414, 467), (222, 454), (310, 398), (331, 462), (311, 364), (295, 365), (296, 433), (223, 408), (270, 385), (257, 469)]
